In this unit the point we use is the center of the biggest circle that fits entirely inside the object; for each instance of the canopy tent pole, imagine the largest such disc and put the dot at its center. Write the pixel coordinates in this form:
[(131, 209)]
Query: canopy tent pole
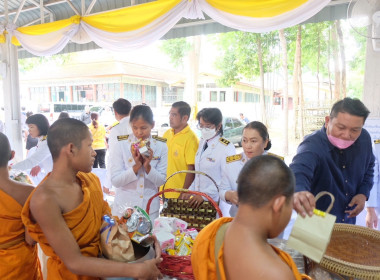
[(371, 88), (11, 89)]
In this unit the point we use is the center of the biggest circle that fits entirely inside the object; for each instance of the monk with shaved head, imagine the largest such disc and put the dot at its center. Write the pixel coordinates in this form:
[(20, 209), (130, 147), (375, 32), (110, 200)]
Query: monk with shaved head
[(237, 249), (18, 252), (64, 213)]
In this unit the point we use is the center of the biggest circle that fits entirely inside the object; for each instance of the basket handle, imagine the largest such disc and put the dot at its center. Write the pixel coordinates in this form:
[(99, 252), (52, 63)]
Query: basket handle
[(191, 172), (186, 191), (320, 194)]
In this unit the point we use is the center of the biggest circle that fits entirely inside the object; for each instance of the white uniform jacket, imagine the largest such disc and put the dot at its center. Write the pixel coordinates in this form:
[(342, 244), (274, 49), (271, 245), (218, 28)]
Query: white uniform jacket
[(122, 128), (231, 170), (209, 161), (231, 167), (135, 190), (374, 197), (38, 156)]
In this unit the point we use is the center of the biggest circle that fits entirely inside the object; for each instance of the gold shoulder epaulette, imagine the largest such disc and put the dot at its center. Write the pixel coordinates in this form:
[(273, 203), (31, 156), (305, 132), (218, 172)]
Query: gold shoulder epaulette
[(274, 155), (115, 124), (224, 141), (44, 138), (122, 137), (234, 158), (376, 141), (158, 138)]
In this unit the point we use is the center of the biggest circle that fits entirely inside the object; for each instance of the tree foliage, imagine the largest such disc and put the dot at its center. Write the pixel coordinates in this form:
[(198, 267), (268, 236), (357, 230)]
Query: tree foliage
[(28, 64), (176, 49), (239, 55)]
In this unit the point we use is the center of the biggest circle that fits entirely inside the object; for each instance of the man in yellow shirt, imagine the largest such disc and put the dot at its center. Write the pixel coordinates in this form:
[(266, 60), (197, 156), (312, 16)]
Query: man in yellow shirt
[(182, 147)]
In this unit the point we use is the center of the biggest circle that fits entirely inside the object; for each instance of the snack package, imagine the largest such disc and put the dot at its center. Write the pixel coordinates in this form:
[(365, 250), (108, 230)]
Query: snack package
[(169, 224), (142, 146), (20, 176), (139, 226), (166, 240)]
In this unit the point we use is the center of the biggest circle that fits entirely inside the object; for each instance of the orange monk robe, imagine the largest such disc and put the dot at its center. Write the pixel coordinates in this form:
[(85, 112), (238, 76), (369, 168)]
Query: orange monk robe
[(18, 261), (203, 254), (84, 223)]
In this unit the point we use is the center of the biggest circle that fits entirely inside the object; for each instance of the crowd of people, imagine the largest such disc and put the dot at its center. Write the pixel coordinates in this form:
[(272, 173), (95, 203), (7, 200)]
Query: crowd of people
[(255, 189)]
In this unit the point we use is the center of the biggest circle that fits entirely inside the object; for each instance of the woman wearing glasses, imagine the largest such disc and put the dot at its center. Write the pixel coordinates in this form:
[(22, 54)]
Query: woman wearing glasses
[(212, 150)]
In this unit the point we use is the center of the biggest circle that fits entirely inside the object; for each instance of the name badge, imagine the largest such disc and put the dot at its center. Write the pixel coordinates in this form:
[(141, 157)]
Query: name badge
[(211, 159), (156, 158)]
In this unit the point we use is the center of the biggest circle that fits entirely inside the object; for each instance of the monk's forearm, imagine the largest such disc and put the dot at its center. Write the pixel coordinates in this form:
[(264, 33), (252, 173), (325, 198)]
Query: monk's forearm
[(98, 267)]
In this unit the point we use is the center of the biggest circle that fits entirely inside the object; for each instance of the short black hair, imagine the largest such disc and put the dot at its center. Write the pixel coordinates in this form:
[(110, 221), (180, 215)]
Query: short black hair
[(262, 130), (184, 109), (142, 111), (65, 131), (63, 114), (262, 178), (211, 115), (40, 121), (352, 106), (5, 151), (122, 106)]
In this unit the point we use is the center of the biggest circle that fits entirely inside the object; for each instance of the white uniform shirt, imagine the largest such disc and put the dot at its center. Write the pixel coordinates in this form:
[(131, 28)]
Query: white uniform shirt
[(209, 161), (135, 190), (374, 197), (122, 128), (38, 156), (231, 167)]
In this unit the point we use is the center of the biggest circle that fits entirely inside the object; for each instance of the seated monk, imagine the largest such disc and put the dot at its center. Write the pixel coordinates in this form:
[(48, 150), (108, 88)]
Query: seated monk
[(18, 251), (64, 213), (237, 248)]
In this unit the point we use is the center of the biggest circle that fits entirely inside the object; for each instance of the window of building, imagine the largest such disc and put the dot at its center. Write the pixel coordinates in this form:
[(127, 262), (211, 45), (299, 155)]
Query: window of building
[(213, 96), (199, 96), (150, 96), (222, 96), (172, 94), (133, 93), (238, 96)]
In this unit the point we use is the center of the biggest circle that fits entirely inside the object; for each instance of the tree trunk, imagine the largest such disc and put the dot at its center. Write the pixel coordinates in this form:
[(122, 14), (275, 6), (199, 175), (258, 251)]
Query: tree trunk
[(285, 90), (318, 59), (328, 64), (336, 63), (262, 89), (193, 71), (297, 59), (302, 105), (342, 58)]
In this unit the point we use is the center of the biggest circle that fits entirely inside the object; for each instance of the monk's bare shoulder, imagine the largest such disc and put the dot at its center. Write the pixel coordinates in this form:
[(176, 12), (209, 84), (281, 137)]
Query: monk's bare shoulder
[(44, 199), (238, 258), (17, 190)]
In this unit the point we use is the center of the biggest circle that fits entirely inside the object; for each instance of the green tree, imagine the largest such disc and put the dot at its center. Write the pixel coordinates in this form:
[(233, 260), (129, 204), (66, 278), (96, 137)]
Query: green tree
[(176, 50), (246, 55)]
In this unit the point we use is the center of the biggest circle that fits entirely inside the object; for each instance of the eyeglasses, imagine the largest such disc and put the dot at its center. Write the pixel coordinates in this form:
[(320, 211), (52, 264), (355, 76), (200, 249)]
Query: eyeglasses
[(199, 126)]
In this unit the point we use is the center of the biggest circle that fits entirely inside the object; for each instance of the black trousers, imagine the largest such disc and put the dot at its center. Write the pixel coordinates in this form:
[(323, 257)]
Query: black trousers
[(100, 159)]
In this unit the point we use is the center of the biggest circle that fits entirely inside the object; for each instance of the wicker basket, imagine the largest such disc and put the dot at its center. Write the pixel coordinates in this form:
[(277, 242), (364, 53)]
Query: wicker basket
[(353, 251), (180, 266)]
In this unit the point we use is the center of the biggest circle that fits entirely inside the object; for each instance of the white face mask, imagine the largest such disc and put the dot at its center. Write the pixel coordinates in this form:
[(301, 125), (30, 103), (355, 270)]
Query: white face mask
[(208, 133)]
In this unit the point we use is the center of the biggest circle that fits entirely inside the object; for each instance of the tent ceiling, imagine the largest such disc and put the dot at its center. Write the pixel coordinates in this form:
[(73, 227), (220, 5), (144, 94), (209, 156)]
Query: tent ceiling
[(30, 14)]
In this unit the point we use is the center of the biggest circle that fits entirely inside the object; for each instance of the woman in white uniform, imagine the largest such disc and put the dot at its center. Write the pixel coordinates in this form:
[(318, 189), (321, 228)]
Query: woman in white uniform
[(212, 151), (137, 177), (39, 161), (255, 142)]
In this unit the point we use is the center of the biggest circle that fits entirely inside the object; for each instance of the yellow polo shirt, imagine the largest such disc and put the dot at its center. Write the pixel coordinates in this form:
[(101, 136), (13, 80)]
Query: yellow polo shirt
[(98, 136), (182, 148)]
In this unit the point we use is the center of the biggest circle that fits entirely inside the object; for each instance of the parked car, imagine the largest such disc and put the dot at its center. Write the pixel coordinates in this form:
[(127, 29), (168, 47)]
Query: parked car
[(232, 129), (106, 115), (53, 109)]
